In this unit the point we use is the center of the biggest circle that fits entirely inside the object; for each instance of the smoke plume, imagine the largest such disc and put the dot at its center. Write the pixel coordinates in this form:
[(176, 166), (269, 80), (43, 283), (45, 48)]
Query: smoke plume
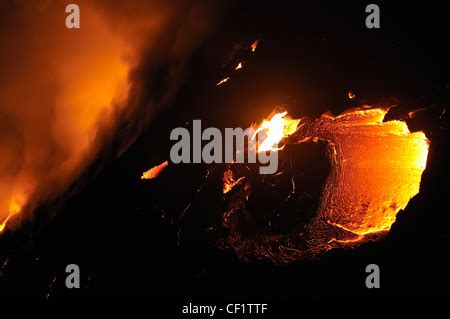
[(66, 94)]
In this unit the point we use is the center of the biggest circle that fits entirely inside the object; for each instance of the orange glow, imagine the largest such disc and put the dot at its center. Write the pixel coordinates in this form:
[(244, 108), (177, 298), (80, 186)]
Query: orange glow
[(155, 171), (377, 171), (15, 206), (412, 114), (3, 225), (278, 127), (376, 168), (69, 92), (81, 83), (223, 81), (254, 45), (351, 95), (229, 182)]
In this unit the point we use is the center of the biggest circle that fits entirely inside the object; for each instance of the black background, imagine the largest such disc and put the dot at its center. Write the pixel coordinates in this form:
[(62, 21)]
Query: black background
[(123, 232)]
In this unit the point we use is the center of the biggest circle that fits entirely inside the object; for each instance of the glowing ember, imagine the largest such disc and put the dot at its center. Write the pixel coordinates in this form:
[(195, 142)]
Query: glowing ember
[(223, 81), (254, 45), (351, 95), (154, 171), (378, 170), (229, 182), (278, 127), (413, 114), (239, 66)]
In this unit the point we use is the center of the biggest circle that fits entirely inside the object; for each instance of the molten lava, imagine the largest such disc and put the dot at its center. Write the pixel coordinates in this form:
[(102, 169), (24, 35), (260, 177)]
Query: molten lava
[(351, 95), (254, 45), (15, 206), (278, 127), (155, 171), (229, 181), (376, 168)]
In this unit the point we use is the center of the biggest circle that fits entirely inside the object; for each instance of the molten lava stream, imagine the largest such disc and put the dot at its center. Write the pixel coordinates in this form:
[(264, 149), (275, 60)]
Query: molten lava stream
[(376, 168)]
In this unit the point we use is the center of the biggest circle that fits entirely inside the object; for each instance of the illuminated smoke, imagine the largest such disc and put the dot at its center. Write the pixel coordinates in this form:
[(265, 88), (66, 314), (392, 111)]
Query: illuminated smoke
[(65, 93)]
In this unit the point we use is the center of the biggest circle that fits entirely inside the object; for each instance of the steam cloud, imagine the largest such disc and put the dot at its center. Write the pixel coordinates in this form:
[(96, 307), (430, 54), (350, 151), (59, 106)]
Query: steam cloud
[(66, 94)]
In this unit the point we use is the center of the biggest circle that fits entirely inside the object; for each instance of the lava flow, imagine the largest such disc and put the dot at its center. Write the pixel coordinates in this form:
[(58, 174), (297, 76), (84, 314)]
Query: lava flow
[(376, 168), (278, 127), (15, 206)]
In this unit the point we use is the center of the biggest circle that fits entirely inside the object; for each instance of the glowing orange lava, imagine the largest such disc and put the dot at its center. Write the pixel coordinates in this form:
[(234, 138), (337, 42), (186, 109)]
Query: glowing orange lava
[(376, 168), (229, 181), (154, 171), (279, 126), (15, 206), (351, 95), (254, 45)]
